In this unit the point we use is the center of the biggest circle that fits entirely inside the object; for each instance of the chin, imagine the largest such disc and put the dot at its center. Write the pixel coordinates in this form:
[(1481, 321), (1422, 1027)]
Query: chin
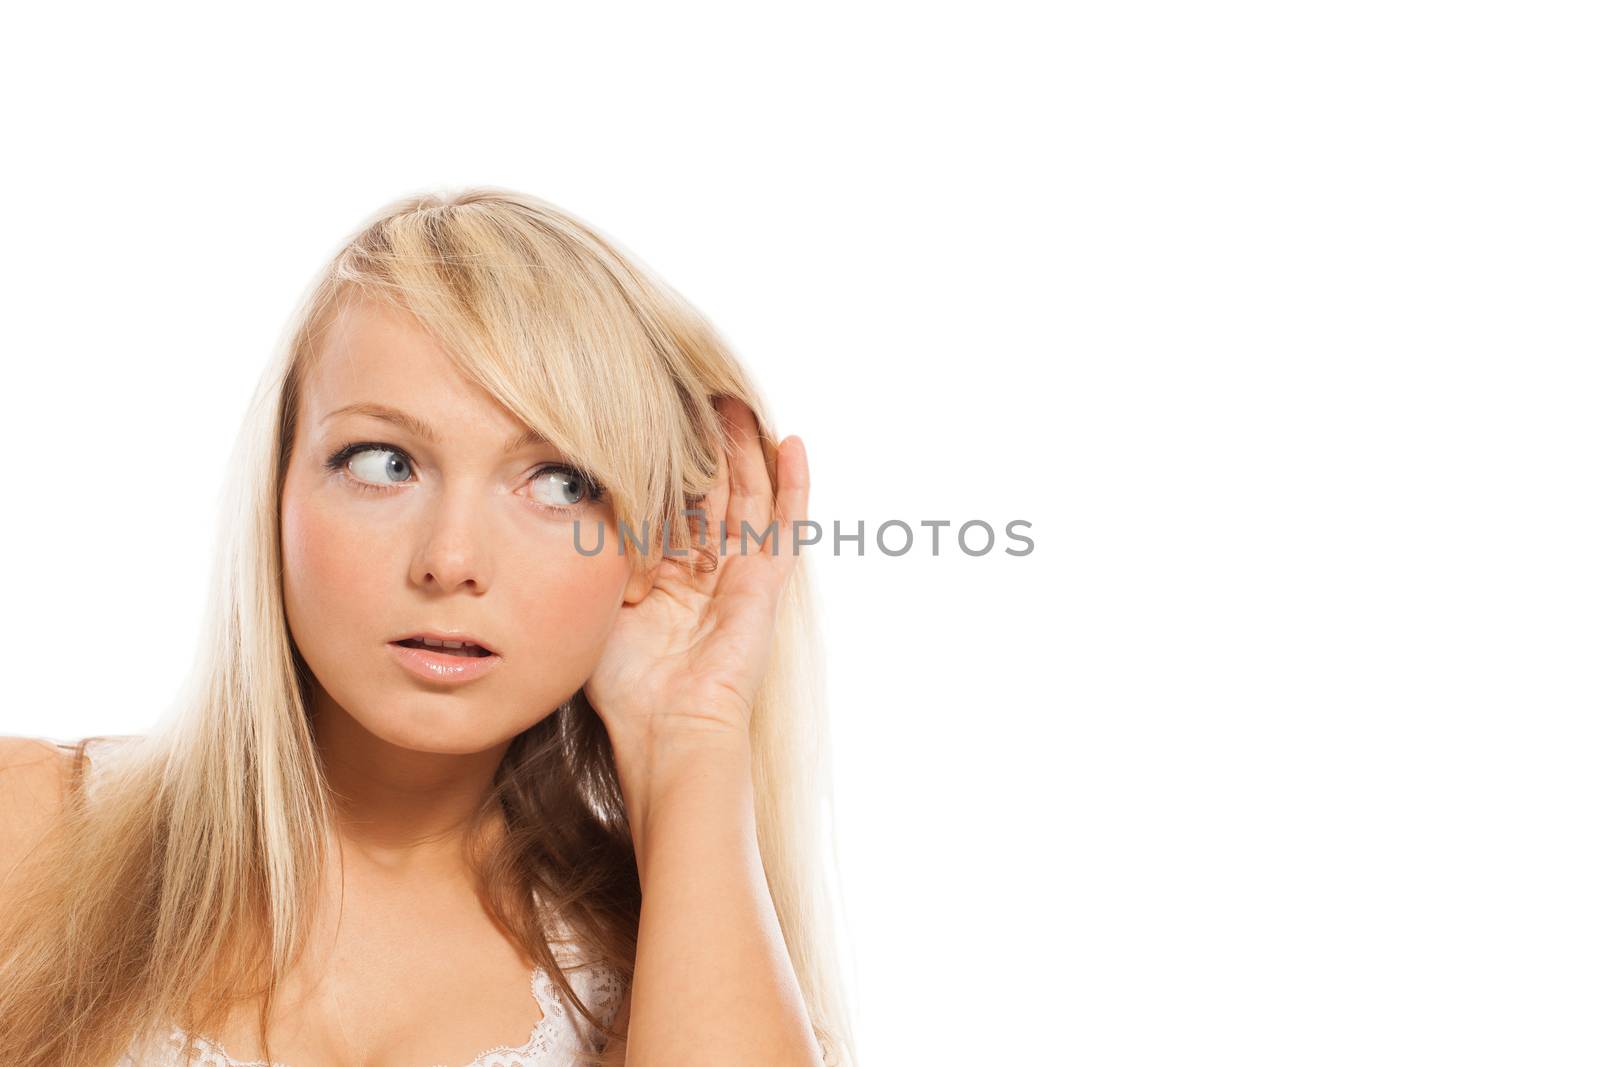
[(451, 723), (436, 723)]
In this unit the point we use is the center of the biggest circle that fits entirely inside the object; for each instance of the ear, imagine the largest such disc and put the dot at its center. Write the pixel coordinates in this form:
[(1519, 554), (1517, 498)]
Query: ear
[(640, 582)]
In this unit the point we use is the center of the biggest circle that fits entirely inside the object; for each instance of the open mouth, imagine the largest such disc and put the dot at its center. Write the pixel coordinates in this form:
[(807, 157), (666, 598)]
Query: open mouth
[(464, 649)]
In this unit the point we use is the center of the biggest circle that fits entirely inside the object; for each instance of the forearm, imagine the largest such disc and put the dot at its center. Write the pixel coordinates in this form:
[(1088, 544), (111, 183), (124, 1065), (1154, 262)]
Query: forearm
[(712, 982)]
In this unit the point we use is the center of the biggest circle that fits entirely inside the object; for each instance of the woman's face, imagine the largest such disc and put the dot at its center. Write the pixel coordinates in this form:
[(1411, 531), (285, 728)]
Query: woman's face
[(413, 503)]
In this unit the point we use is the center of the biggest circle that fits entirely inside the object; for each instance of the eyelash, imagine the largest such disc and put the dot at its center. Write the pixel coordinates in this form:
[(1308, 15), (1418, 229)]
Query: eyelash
[(336, 464)]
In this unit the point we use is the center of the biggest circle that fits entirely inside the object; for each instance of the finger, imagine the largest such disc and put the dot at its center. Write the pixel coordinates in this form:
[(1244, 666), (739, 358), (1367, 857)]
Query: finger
[(706, 538), (749, 489), (794, 485)]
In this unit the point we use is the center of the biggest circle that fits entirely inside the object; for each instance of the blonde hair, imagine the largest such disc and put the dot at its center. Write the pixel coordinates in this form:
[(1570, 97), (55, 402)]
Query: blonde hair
[(181, 877)]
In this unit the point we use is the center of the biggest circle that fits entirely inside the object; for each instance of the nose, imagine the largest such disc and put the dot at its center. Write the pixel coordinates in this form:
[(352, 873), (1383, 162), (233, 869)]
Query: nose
[(452, 552)]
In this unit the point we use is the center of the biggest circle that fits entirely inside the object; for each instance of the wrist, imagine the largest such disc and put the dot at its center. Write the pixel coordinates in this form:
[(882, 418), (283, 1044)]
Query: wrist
[(696, 770), (663, 751), (660, 736)]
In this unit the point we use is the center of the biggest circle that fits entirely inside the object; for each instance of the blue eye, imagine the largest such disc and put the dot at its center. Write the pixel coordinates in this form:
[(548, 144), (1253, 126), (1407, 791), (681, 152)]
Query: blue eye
[(395, 468), (371, 465), (562, 487)]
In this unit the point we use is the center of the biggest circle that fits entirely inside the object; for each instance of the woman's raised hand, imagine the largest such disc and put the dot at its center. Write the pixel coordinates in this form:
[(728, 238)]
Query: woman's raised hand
[(688, 657)]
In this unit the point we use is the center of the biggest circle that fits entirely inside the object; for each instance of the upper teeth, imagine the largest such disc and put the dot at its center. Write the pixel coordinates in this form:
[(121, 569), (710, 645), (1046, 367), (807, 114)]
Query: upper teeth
[(447, 644)]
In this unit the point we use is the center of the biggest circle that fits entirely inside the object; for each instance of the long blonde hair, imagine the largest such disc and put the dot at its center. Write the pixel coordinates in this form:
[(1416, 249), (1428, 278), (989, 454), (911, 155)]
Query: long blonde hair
[(180, 877)]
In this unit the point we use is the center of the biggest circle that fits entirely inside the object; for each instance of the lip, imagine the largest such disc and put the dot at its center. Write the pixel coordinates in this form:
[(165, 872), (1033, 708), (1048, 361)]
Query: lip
[(446, 635), (439, 667)]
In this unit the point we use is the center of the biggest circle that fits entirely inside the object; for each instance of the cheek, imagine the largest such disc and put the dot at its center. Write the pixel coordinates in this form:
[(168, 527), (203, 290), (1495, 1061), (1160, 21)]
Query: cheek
[(563, 605), (333, 575)]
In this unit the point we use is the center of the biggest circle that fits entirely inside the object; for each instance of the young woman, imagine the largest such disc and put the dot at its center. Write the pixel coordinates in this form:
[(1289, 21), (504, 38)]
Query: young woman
[(443, 772)]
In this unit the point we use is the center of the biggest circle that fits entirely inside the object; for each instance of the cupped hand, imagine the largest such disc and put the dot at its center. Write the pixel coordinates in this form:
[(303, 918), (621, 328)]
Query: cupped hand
[(690, 654)]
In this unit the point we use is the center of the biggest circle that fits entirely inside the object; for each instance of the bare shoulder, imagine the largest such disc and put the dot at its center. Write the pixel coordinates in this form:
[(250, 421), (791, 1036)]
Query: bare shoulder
[(33, 776)]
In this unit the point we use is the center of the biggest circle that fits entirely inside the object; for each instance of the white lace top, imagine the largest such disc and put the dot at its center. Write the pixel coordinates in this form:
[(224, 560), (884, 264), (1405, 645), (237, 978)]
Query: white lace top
[(555, 1038)]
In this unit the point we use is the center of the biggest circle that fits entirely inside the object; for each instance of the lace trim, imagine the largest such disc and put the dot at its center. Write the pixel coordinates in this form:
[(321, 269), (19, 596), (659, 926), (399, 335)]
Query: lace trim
[(603, 997)]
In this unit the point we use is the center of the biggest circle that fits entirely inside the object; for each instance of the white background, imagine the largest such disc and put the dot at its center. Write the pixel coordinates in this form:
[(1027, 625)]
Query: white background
[(1276, 321)]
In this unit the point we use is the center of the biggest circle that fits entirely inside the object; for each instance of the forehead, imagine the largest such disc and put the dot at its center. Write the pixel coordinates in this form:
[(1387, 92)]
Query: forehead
[(365, 343), (370, 353)]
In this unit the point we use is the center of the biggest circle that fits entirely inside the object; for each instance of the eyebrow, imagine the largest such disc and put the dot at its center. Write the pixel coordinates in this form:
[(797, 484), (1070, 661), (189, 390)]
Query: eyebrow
[(413, 425)]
